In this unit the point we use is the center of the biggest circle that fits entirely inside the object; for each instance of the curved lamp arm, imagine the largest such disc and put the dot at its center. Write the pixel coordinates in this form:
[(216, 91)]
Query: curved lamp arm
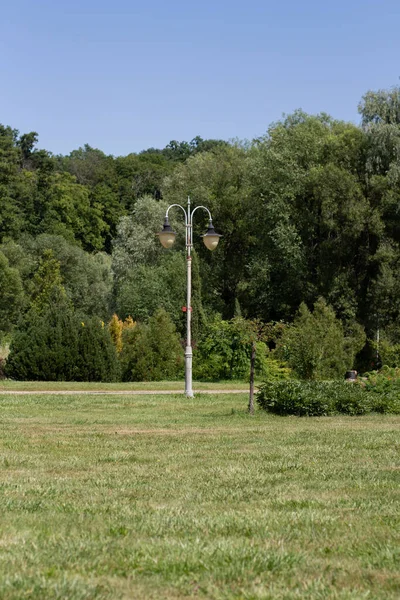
[(179, 206), (204, 208), (211, 237)]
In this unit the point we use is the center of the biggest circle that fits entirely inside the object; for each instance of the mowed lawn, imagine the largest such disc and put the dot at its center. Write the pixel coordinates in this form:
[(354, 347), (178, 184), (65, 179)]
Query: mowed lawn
[(73, 386), (163, 497)]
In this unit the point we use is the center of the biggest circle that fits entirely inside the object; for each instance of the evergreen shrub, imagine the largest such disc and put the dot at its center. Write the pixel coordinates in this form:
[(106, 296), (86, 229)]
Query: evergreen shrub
[(57, 345), (97, 356)]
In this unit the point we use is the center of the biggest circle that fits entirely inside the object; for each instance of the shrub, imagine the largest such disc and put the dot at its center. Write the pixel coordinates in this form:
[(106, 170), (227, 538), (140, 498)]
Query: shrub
[(293, 398), (384, 386), (275, 370), (152, 351), (57, 345), (316, 347), (224, 352), (97, 356), (317, 398), (116, 326), (386, 379)]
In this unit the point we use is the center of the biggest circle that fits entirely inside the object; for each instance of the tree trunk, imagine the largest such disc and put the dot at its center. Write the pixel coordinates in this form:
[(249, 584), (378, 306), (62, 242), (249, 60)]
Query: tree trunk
[(252, 365)]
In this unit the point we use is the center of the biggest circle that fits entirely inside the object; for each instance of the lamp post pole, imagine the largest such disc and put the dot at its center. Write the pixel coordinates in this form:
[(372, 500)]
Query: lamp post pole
[(188, 348), (211, 239)]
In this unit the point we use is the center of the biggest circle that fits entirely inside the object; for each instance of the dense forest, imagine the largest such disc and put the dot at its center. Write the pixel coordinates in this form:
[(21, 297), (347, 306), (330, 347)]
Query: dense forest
[(309, 210)]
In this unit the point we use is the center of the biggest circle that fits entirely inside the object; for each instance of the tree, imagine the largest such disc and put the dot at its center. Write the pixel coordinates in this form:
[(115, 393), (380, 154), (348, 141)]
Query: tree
[(141, 175), (65, 208), (47, 283), (147, 276), (152, 352), (147, 288), (11, 212), (382, 107), (26, 143), (136, 242), (217, 179), (198, 319), (11, 295), (308, 202), (315, 345), (86, 277)]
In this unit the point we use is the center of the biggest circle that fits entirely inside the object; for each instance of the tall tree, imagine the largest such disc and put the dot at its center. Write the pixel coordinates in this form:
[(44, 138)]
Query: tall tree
[(11, 295)]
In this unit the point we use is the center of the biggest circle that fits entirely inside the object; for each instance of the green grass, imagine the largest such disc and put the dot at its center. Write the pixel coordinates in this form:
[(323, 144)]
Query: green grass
[(158, 497), (8, 384)]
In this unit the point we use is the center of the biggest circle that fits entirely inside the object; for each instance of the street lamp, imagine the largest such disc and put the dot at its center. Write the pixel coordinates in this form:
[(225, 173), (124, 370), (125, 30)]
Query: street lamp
[(210, 239)]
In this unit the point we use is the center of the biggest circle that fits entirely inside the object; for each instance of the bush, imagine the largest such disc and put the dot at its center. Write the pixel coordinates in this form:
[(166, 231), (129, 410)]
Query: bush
[(224, 352), (152, 351), (316, 347), (275, 370), (386, 379), (97, 356), (384, 386), (315, 399), (59, 346)]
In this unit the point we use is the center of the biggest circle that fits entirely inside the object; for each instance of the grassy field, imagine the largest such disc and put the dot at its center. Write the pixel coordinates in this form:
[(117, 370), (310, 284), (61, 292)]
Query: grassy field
[(106, 497), (9, 385)]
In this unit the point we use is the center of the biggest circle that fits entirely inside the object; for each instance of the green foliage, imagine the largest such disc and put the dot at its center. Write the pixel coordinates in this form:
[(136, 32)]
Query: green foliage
[(308, 201), (318, 398), (47, 283), (382, 106), (217, 179), (152, 351), (382, 380), (97, 355), (85, 277), (385, 387), (308, 210), (11, 295), (224, 352), (198, 320), (315, 345), (149, 287), (388, 347), (141, 175), (57, 345), (275, 370), (146, 275)]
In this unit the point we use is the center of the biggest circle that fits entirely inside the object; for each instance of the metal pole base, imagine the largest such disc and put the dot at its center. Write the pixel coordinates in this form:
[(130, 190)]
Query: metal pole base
[(188, 372)]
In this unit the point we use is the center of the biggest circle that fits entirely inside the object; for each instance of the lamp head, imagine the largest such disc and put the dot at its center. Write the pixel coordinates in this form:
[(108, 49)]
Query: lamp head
[(167, 235), (211, 237)]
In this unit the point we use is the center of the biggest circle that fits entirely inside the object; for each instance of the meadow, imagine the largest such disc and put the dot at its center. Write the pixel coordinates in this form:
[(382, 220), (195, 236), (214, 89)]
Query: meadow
[(145, 497)]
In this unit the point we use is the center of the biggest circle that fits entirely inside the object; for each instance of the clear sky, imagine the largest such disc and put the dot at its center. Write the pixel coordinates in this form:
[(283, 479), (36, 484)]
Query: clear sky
[(124, 75)]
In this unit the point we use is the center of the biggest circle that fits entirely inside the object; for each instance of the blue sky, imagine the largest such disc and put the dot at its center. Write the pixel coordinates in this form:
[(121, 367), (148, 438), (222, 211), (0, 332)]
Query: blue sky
[(124, 75)]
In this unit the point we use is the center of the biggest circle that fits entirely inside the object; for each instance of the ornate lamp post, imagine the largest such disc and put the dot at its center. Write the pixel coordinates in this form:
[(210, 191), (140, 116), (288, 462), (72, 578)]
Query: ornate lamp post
[(210, 239)]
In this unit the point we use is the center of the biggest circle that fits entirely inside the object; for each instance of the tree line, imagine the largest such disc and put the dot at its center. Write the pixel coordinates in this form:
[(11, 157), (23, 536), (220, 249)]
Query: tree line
[(309, 210)]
